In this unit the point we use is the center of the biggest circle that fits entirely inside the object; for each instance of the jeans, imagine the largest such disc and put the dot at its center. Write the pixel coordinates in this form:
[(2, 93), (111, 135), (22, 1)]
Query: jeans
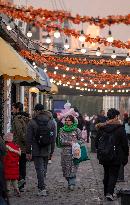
[(110, 178), (71, 180), (41, 170), (2, 201)]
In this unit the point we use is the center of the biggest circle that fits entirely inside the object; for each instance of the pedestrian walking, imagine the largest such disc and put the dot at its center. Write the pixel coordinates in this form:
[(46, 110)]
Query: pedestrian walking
[(3, 190), (112, 150), (101, 117), (11, 163), (19, 126), (40, 131), (54, 138), (69, 134), (127, 129)]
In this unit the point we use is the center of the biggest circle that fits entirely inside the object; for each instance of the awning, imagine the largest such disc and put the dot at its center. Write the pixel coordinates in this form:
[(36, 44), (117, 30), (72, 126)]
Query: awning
[(42, 80), (12, 64)]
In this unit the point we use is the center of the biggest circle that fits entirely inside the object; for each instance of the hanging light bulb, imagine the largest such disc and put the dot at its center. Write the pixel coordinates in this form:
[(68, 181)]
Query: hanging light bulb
[(9, 28), (9, 25), (73, 77), (64, 75), (48, 39), (110, 38), (79, 70), (82, 37), (82, 79), (83, 50), (91, 70), (66, 45), (113, 54), (108, 83), (56, 68), (67, 68), (98, 52), (128, 57), (104, 71), (57, 33), (29, 33), (118, 72)]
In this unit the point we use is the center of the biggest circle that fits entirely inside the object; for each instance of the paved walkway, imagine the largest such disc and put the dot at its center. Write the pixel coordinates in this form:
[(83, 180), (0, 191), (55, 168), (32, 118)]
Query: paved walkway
[(89, 189)]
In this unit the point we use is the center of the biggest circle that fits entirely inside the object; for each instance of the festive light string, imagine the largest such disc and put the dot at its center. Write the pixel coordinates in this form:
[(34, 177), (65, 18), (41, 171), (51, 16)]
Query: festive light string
[(102, 77), (63, 80), (28, 15), (77, 60), (44, 14)]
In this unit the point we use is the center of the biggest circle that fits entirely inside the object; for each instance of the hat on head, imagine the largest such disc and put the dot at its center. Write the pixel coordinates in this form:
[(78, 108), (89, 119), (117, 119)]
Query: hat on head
[(39, 107), (8, 137)]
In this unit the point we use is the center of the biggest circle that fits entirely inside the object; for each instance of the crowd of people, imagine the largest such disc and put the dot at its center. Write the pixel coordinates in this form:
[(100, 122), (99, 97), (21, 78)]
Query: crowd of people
[(35, 138)]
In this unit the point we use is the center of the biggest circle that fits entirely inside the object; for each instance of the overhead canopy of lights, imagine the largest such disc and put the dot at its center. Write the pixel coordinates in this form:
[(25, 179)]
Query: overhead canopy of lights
[(66, 70)]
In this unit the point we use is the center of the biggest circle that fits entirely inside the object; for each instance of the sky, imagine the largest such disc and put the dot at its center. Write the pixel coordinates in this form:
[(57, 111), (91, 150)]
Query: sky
[(93, 8)]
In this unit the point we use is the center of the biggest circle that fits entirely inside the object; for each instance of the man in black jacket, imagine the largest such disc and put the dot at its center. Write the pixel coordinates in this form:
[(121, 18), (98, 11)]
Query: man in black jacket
[(111, 168), (39, 153)]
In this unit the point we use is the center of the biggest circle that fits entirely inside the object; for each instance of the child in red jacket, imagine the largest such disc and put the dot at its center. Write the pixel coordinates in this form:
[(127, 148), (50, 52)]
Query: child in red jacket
[(11, 163)]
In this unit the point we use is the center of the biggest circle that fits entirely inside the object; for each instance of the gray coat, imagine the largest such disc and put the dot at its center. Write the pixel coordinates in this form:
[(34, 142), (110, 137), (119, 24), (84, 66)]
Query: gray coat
[(31, 143)]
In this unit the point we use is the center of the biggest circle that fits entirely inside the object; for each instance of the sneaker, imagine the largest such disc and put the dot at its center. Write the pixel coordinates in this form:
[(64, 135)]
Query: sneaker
[(42, 192), (49, 161), (109, 197), (71, 187), (21, 184)]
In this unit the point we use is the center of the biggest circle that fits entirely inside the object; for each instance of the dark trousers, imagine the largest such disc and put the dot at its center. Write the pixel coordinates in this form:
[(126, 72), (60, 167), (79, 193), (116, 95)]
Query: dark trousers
[(110, 178), (41, 170), (22, 166), (52, 150)]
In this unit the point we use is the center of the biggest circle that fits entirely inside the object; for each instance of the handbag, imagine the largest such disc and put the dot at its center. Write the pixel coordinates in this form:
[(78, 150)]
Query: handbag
[(84, 155), (58, 141)]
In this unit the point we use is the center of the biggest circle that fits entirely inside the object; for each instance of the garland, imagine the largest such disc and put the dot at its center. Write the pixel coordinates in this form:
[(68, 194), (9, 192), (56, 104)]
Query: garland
[(44, 14), (28, 15), (72, 60), (84, 85)]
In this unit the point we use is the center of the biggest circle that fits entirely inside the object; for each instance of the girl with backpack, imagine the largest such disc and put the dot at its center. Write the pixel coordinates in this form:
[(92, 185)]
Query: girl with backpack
[(69, 135)]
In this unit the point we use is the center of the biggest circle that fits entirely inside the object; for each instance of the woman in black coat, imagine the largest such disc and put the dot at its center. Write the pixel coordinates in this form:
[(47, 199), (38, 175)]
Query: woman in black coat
[(112, 128)]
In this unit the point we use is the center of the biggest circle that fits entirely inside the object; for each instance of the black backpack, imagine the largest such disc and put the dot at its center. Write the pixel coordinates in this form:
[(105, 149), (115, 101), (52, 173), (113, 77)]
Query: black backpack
[(44, 134), (106, 151)]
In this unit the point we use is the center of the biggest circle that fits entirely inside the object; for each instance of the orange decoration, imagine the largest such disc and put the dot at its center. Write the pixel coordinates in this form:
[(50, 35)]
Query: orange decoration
[(45, 19)]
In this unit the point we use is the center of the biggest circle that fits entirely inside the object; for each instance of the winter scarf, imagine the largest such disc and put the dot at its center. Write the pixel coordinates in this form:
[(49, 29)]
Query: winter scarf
[(71, 128)]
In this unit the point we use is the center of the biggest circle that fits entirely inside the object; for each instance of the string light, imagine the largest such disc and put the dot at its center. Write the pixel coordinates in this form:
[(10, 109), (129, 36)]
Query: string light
[(67, 68), (104, 71), (83, 49), (57, 33), (118, 72), (128, 57), (9, 25), (82, 37), (110, 38), (98, 52), (66, 45), (56, 68), (113, 54), (48, 39), (29, 33)]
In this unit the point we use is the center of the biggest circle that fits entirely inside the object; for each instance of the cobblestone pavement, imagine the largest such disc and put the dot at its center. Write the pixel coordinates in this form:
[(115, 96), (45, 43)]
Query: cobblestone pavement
[(89, 189)]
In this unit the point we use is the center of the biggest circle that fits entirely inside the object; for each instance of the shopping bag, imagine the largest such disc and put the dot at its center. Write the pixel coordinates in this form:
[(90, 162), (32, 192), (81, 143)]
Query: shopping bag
[(76, 151), (84, 155)]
